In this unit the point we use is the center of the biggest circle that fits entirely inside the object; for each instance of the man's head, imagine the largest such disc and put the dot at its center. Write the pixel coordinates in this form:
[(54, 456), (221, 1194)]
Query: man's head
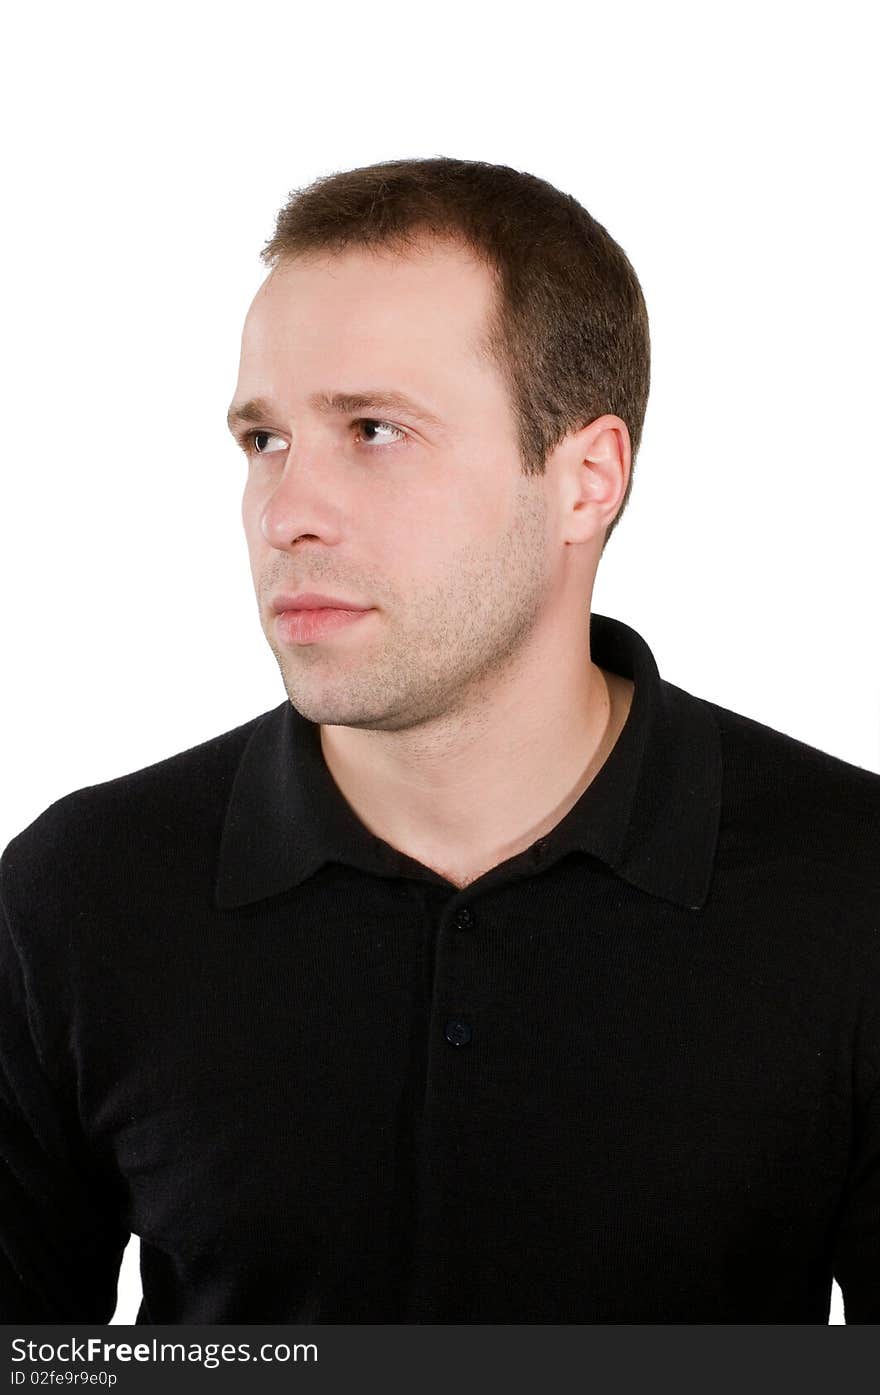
[(516, 326)]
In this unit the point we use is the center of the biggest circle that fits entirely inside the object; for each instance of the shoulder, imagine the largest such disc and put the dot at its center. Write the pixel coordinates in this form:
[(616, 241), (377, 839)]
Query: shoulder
[(782, 798), (102, 832), (758, 756)]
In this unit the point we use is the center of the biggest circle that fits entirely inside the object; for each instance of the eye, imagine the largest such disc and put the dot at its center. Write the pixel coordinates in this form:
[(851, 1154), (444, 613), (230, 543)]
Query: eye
[(383, 426), (250, 441)]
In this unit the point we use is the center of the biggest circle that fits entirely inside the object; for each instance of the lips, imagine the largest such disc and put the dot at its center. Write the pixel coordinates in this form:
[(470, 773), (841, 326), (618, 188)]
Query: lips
[(312, 625), (312, 600)]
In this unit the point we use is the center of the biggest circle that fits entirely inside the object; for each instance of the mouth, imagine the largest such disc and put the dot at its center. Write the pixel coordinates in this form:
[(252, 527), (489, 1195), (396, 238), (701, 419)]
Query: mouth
[(306, 625)]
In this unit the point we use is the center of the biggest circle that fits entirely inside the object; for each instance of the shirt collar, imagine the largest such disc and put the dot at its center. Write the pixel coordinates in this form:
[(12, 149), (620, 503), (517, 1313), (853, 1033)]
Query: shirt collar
[(650, 814)]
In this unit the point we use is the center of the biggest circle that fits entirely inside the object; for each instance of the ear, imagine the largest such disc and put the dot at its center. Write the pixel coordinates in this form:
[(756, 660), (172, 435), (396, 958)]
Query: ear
[(593, 465)]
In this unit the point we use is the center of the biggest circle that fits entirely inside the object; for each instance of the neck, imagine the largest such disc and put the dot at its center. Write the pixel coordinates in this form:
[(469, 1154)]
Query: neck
[(477, 785)]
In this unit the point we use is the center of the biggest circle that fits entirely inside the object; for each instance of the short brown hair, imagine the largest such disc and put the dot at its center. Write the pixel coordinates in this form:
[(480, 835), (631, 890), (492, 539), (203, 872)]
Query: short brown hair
[(569, 330)]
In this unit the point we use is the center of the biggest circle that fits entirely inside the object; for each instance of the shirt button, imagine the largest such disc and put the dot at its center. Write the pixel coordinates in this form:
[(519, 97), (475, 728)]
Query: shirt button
[(456, 1032), (464, 919)]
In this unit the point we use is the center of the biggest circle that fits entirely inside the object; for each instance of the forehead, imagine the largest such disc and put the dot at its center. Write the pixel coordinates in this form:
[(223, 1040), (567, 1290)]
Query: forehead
[(437, 294)]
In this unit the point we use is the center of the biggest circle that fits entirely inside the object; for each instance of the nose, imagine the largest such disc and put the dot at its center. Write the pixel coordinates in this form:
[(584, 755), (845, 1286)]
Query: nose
[(304, 500)]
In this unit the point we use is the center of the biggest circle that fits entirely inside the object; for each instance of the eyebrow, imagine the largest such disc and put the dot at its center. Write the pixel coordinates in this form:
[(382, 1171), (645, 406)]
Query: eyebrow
[(258, 409)]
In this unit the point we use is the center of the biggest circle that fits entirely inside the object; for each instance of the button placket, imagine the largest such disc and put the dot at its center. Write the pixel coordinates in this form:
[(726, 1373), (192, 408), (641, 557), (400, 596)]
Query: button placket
[(456, 1030)]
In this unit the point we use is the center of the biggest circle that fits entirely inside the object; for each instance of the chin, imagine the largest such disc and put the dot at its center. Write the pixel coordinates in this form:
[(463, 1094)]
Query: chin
[(323, 712)]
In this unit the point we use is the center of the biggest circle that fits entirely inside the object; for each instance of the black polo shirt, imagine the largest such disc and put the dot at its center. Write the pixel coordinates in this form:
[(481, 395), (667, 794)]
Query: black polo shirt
[(629, 1075)]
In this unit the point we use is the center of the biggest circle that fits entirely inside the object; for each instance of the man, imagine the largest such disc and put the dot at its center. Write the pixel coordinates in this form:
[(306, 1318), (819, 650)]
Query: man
[(489, 977)]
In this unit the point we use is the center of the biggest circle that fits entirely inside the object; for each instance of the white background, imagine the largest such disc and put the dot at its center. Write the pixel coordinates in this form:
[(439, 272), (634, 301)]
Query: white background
[(729, 149)]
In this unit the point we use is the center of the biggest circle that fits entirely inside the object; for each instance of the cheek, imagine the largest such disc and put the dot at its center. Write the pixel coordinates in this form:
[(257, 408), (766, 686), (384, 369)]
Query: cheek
[(250, 518), (424, 535), (249, 512)]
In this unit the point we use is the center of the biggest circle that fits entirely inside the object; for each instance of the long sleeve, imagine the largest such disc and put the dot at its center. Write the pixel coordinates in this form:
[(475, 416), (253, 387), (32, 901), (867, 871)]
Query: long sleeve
[(857, 1245), (61, 1228)]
